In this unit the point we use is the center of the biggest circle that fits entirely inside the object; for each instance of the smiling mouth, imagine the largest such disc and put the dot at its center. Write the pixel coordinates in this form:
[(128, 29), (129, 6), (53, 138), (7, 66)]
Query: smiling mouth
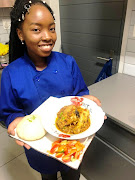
[(45, 47)]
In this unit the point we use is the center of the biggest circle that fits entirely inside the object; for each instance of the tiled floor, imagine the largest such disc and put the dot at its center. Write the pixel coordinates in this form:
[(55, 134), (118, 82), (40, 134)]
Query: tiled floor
[(13, 163)]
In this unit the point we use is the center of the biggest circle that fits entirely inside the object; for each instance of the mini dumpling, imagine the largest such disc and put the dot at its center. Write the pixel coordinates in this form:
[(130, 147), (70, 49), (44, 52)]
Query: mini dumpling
[(30, 128)]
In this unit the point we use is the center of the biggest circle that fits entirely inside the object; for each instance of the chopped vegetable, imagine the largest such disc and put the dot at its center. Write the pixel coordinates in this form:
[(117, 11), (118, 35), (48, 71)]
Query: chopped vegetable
[(64, 135), (77, 101), (61, 149), (66, 158), (59, 155), (33, 117), (64, 142), (67, 150), (54, 148)]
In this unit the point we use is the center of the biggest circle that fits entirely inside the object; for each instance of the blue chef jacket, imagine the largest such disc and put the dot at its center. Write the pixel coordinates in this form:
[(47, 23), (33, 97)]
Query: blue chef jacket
[(23, 89)]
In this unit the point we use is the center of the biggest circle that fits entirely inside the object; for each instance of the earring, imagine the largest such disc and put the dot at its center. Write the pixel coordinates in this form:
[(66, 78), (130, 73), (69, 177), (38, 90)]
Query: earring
[(22, 42)]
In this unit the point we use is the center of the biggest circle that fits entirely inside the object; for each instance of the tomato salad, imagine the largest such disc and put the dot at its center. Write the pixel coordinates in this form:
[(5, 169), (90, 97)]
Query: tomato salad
[(77, 101), (67, 150)]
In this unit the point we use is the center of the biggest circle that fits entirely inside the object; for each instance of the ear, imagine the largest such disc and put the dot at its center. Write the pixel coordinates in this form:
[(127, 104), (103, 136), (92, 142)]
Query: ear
[(20, 34)]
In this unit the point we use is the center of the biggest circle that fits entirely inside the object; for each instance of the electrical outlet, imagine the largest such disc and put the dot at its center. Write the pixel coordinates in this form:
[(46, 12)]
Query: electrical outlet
[(6, 23)]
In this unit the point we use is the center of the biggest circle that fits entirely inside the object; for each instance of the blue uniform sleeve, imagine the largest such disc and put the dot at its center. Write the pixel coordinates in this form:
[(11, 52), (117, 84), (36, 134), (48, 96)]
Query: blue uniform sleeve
[(80, 87), (9, 105)]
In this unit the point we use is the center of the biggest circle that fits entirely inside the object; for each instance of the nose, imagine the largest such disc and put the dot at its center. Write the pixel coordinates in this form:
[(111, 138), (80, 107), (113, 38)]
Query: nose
[(46, 36)]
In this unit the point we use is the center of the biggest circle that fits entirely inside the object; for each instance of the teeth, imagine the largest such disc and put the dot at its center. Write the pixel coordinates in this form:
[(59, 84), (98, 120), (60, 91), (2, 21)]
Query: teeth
[(47, 45)]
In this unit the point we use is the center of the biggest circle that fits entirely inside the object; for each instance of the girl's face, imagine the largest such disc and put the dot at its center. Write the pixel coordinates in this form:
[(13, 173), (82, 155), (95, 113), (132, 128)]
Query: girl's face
[(38, 32)]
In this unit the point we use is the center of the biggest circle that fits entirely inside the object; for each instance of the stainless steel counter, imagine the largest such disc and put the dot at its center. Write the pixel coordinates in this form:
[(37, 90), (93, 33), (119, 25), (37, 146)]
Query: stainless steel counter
[(117, 95)]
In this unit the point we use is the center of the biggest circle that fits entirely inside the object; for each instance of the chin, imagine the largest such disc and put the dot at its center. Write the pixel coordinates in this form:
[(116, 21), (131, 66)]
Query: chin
[(45, 54)]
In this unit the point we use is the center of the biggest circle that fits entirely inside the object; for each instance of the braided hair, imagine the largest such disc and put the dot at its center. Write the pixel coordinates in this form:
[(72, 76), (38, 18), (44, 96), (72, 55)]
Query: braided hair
[(17, 15)]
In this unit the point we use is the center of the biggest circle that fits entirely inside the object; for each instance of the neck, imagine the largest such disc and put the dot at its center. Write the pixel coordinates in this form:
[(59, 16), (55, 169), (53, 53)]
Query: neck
[(40, 65), (39, 62)]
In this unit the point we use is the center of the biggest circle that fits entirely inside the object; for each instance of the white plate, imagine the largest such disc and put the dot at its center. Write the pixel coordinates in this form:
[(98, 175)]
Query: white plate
[(46, 111), (49, 116)]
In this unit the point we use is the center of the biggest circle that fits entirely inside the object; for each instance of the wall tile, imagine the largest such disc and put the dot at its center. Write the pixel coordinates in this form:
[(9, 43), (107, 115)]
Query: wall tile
[(4, 38), (133, 18), (1, 27), (129, 69), (131, 45), (130, 33), (2, 30), (130, 58)]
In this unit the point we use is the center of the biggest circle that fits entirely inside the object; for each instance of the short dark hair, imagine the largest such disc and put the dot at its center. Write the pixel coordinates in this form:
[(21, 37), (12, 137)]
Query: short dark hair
[(16, 49)]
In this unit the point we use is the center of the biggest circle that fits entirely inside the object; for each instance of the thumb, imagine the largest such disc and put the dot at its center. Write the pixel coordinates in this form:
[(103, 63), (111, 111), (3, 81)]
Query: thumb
[(13, 125), (11, 128)]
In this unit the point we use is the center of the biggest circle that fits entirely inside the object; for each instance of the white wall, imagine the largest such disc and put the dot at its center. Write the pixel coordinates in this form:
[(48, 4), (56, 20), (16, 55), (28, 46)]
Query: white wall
[(127, 60)]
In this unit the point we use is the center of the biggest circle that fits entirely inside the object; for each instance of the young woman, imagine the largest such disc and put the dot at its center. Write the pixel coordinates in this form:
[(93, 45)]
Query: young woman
[(34, 74)]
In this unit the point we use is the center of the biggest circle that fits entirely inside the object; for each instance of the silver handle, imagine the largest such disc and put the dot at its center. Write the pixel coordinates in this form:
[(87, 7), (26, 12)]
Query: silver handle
[(106, 59)]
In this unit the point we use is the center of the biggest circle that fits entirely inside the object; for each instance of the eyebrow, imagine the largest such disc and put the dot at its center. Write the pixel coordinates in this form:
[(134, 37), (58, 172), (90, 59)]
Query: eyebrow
[(40, 24)]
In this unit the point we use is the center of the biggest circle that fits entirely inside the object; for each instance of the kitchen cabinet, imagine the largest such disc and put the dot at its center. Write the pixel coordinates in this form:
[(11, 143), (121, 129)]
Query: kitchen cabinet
[(6, 3), (107, 158), (91, 29), (111, 155)]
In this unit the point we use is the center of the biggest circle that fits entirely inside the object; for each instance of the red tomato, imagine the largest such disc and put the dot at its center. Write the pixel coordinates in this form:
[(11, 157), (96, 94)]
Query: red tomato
[(67, 151), (56, 142), (77, 155), (80, 104), (66, 158), (77, 101), (72, 152), (81, 99), (76, 98), (64, 135), (54, 148), (72, 143), (59, 155)]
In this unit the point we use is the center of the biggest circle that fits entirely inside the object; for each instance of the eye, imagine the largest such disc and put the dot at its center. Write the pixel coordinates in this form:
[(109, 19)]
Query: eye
[(36, 30), (52, 29)]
